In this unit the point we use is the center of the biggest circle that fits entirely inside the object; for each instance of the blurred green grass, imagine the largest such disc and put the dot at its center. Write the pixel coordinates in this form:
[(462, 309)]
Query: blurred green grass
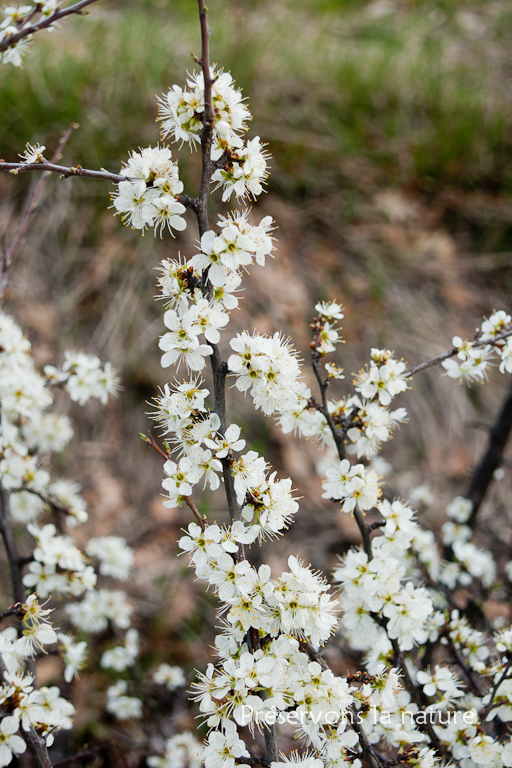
[(420, 90)]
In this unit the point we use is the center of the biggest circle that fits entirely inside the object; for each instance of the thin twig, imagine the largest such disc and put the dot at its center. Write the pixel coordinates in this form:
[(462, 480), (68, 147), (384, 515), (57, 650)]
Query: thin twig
[(31, 209), (194, 509), (67, 172), (23, 23), (150, 440), (445, 355), (323, 384), (459, 658), (82, 755), (25, 31), (58, 505)]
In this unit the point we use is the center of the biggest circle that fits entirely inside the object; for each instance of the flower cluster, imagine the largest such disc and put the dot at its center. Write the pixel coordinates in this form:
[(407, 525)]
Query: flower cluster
[(115, 556), (267, 368), (385, 378), (58, 565), (83, 377), (180, 751), (473, 358), (23, 705), (182, 113), (236, 247), (29, 428), (149, 196), (353, 485)]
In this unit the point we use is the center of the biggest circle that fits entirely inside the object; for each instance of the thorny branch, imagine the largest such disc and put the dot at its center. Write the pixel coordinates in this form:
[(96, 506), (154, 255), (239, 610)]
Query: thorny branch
[(37, 748), (366, 747)]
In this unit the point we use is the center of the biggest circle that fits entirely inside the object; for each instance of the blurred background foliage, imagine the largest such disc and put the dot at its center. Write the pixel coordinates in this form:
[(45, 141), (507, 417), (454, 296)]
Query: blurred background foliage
[(390, 127)]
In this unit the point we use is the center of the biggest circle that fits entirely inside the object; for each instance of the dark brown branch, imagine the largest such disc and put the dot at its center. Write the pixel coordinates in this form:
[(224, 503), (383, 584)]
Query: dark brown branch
[(18, 589), (219, 366), (220, 370), (426, 727), (495, 690), (365, 530), (14, 611), (35, 743), (366, 747), (256, 760), (491, 460), (44, 23), (368, 751), (31, 209), (466, 670), (54, 503), (208, 122), (37, 748), (313, 654)]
